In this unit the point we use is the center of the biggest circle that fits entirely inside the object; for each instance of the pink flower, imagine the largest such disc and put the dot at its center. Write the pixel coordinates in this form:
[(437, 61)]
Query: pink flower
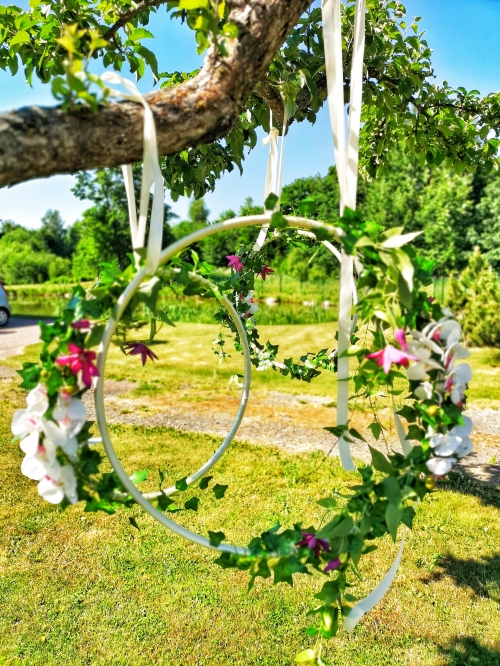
[(333, 564), (389, 355), (400, 337), (82, 325), (312, 542), (234, 262), (137, 348), (265, 271), (79, 359)]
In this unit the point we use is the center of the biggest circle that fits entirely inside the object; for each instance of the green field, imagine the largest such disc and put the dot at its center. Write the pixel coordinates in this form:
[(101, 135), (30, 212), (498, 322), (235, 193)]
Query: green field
[(79, 588)]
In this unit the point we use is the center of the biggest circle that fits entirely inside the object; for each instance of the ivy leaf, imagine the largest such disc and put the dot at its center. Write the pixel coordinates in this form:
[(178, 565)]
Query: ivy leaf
[(94, 337), (133, 522), (336, 529), (338, 431), (354, 433), (392, 518), (327, 503), (392, 490), (271, 201), (376, 429), (203, 485), (219, 490), (192, 504), (379, 461), (216, 538), (408, 413), (139, 477), (414, 432), (307, 207), (181, 484)]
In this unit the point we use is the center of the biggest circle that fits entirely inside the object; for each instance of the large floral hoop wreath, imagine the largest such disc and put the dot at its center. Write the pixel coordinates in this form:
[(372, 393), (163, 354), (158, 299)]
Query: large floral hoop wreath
[(55, 435)]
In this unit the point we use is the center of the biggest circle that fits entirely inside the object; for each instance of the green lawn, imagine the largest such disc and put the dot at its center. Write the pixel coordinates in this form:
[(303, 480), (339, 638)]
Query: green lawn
[(83, 589)]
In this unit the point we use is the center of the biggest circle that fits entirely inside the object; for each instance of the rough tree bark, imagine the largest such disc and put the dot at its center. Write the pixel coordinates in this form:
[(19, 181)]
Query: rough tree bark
[(40, 141)]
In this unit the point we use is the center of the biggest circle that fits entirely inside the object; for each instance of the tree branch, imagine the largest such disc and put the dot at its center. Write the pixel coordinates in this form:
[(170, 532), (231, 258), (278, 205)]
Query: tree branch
[(127, 16), (38, 142)]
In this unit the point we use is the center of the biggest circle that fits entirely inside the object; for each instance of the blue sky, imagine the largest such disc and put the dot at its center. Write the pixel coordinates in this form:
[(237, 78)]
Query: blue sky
[(462, 33)]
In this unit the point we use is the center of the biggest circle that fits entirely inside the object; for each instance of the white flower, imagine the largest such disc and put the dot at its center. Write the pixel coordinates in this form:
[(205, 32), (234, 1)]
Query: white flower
[(419, 370), (445, 445), (440, 466), (28, 423), (54, 489), (37, 400), (70, 413), (424, 391), (59, 437), (465, 447), (463, 430), (456, 383), (41, 462), (248, 300)]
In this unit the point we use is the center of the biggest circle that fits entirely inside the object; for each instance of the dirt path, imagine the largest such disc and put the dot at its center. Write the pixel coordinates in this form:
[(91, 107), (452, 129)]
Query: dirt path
[(294, 423)]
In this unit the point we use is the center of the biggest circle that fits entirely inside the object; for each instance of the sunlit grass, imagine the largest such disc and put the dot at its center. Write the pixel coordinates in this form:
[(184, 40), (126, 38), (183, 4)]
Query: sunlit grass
[(80, 588)]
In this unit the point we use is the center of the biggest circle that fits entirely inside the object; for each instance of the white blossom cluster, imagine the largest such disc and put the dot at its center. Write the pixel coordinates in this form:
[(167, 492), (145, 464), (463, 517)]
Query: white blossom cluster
[(437, 347), (41, 438)]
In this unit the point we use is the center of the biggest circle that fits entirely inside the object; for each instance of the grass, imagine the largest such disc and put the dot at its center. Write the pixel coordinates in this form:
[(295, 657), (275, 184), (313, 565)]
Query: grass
[(80, 588)]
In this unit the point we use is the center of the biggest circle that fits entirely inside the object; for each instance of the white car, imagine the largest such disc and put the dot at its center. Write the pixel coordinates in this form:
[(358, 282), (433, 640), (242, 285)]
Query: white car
[(4, 307)]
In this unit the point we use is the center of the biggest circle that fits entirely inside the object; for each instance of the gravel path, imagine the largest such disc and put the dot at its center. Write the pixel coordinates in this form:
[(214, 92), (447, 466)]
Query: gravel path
[(18, 334)]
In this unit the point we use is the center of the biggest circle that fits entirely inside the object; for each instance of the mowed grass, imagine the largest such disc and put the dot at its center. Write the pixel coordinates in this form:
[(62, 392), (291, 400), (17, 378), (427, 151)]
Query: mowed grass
[(79, 588)]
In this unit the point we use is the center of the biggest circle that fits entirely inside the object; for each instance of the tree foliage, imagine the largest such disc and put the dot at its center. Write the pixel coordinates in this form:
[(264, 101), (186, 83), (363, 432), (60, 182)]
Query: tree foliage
[(402, 103)]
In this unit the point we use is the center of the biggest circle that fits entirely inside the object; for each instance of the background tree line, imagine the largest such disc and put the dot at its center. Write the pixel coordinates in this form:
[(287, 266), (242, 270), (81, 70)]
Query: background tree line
[(455, 213)]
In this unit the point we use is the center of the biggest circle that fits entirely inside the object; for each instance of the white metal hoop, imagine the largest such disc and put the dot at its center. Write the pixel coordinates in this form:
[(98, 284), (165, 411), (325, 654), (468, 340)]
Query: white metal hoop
[(123, 301)]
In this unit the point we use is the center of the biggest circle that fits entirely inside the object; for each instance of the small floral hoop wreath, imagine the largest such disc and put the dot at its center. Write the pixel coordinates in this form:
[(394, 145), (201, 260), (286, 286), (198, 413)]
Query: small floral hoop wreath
[(121, 305)]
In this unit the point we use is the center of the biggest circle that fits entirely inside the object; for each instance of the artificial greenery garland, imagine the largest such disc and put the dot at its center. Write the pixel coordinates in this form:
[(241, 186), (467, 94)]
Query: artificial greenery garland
[(391, 284)]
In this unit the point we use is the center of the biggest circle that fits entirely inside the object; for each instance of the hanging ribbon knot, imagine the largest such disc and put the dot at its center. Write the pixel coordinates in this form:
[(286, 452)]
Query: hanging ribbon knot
[(151, 177)]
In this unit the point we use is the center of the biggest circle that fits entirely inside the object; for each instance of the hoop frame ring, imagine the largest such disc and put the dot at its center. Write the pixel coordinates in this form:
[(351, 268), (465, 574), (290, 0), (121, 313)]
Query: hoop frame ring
[(123, 301)]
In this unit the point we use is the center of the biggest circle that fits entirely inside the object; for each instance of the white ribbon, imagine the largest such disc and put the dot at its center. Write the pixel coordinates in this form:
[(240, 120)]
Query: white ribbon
[(346, 161), (151, 177), (274, 172)]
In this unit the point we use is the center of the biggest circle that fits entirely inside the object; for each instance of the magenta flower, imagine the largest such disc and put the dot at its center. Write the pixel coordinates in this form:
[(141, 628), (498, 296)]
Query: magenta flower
[(332, 564), (82, 325), (389, 355), (400, 337), (234, 262), (265, 271), (137, 348), (312, 542), (80, 360)]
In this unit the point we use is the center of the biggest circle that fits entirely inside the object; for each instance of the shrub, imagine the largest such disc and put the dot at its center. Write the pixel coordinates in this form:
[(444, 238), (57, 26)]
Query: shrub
[(474, 299)]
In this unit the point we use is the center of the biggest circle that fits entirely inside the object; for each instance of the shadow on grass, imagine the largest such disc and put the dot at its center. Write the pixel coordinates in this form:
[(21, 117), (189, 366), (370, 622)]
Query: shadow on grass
[(485, 489), (467, 651), (481, 576)]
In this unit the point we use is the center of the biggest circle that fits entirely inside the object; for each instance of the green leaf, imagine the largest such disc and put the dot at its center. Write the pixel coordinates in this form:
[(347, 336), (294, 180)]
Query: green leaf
[(20, 38), (203, 485), (379, 461), (219, 490), (392, 518), (271, 201), (338, 431), (139, 33), (181, 484), (95, 336), (392, 490), (133, 522), (327, 503), (193, 4), (163, 316), (139, 477), (216, 538), (230, 30), (376, 429), (305, 656), (307, 207), (192, 504), (336, 529), (354, 433)]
